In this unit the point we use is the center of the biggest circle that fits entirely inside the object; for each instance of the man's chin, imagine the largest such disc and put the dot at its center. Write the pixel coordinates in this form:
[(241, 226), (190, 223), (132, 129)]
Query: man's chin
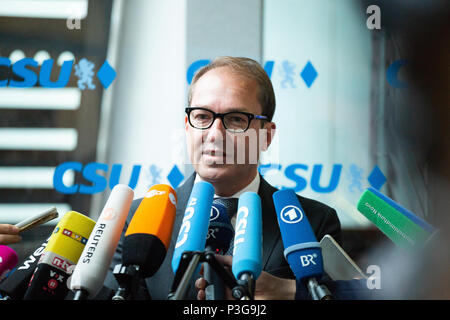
[(214, 172)]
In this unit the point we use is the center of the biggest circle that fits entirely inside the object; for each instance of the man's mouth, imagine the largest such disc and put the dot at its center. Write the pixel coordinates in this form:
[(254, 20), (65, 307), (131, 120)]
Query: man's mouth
[(216, 153)]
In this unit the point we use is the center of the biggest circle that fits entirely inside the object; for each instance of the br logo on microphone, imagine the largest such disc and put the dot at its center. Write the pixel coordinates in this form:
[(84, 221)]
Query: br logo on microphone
[(308, 259), (291, 214)]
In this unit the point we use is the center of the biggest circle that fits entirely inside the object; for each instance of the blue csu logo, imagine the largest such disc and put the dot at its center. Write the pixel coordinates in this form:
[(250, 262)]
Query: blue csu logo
[(84, 70), (296, 173), (287, 70)]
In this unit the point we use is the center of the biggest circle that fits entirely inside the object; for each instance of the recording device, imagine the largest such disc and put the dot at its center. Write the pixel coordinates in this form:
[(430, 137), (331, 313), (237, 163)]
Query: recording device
[(247, 252), (49, 280), (189, 249), (8, 260), (403, 227), (146, 240), (38, 219), (90, 272), (218, 240), (194, 228), (15, 286), (191, 237), (302, 251), (337, 263)]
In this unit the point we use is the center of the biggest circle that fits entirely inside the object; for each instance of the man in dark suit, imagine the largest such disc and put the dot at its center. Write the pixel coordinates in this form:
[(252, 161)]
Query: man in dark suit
[(228, 123)]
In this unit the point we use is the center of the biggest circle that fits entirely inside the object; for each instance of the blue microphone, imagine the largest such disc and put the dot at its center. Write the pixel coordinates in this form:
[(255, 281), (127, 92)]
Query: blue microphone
[(247, 252), (194, 228), (218, 240), (301, 248)]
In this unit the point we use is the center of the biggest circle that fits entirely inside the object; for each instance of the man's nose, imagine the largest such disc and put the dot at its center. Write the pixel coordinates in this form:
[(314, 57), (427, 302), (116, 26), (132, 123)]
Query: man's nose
[(217, 130)]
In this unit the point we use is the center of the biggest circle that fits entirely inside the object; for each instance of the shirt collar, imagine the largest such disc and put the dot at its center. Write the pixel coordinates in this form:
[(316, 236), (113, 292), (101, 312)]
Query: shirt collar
[(251, 187)]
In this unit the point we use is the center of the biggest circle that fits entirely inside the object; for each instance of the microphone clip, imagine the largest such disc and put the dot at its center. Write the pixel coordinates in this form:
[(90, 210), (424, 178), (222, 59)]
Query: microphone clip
[(318, 291), (128, 279)]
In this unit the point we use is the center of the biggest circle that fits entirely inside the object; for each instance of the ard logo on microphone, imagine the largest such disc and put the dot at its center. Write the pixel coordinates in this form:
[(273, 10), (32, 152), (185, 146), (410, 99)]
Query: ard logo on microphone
[(291, 214)]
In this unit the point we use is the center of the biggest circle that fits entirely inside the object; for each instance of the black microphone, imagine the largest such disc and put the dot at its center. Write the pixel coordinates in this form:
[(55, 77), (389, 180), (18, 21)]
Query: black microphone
[(62, 251), (146, 241), (15, 286), (218, 240)]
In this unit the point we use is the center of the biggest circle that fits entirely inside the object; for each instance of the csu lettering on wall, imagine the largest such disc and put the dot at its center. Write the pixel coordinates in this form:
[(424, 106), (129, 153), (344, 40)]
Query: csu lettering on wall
[(96, 174), (84, 70)]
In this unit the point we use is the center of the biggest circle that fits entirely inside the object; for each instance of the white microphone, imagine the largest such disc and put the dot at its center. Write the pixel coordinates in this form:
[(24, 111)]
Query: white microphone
[(90, 272)]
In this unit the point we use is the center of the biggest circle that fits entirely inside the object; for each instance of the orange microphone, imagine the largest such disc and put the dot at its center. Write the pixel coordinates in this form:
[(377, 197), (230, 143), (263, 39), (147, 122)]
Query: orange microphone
[(147, 239)]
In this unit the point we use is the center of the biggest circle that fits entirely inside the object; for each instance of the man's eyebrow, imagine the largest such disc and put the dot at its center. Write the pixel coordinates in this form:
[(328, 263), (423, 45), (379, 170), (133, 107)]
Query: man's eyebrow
[(234, 109)]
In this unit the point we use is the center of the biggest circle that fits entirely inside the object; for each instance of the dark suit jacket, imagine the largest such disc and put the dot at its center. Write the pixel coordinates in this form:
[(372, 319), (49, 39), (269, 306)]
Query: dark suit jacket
[(322, 218)]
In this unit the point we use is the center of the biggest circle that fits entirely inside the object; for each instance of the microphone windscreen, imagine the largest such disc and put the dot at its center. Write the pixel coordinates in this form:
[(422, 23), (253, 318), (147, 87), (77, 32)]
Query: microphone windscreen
[(68, 238), (220, 230), (8, 260), (150, 230), (194, 228), (90, 271), (247, 252), (302, 251), (62, 251), (400, 225), (17, 282)]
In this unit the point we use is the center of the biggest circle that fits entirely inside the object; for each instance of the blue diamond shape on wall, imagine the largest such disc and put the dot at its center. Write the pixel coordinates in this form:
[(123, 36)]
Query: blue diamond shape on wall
[(106, 74), (376, 178), (175, 177), (309, 74)]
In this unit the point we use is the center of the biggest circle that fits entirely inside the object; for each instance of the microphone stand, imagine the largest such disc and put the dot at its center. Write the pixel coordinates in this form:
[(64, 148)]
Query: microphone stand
[(188, 264), (215, 288)]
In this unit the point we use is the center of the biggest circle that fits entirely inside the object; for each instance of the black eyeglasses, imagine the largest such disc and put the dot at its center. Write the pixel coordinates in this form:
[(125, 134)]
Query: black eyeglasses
[(236, 121)]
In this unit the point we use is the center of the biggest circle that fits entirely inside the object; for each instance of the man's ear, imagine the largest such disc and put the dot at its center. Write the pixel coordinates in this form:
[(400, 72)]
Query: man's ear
[(186, 123), (270, 128)]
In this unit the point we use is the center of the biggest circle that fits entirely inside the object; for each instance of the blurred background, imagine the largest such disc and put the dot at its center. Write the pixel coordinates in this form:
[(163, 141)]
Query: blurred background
[(349, 116)]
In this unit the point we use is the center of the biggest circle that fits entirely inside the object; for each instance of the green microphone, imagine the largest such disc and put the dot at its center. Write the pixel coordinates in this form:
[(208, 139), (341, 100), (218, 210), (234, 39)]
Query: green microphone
[(404, 228)]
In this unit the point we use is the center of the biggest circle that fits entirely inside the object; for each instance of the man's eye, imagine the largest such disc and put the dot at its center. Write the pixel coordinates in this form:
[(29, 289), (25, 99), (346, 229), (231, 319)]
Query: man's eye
[(237, 119), (202, 117)]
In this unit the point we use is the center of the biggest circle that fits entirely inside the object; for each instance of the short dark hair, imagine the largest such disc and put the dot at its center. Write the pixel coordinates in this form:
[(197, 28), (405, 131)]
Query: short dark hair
[(248, 68)]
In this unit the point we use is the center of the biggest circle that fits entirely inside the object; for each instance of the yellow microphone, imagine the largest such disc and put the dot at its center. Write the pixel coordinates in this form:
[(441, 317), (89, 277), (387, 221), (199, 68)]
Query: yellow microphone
[(63, 250)]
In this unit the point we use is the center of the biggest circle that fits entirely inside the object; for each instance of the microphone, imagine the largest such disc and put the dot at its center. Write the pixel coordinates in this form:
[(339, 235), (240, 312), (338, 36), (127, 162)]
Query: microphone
[(218, 240), (192, 236), (62, 251), (15, 286), (220, 230), (146, 240), (247, 252), (194, 228), (90, 272), (302, 251), (403, 227), (8, 260)]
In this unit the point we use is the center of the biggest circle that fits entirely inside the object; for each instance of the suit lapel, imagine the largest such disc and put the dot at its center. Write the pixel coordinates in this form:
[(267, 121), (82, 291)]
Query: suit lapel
[(271, 231)]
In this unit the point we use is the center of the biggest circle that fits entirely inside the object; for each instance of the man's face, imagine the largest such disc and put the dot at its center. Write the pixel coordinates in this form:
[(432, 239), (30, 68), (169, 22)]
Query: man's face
[(215, 152)]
